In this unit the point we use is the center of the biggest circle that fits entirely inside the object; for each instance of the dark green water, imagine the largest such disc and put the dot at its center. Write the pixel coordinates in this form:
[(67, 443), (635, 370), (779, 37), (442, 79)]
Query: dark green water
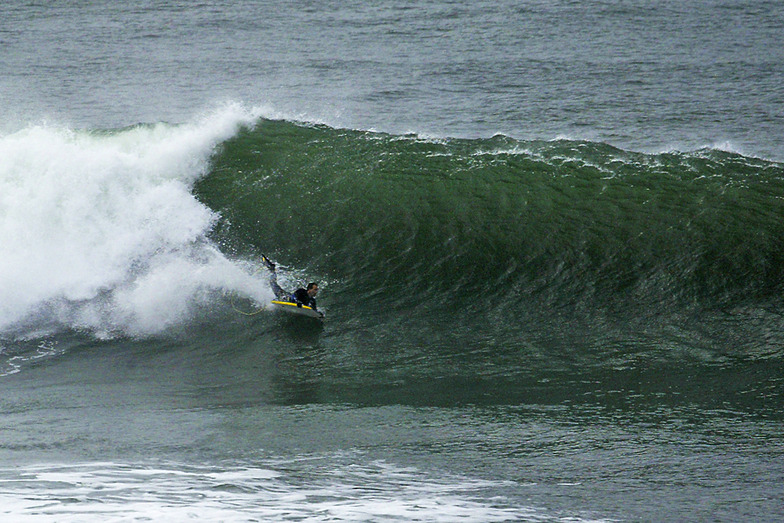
[(522, 241)]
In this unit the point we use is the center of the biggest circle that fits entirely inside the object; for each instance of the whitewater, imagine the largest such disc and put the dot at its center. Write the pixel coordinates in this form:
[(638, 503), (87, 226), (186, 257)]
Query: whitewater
[(100, 230)]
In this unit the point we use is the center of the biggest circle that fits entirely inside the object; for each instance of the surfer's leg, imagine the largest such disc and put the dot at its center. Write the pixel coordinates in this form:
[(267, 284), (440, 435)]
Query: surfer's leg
[(270, 265), (277, 289)]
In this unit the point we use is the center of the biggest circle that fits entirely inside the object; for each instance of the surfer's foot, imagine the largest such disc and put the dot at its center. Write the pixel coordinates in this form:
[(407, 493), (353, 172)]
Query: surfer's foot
[(270, 265)]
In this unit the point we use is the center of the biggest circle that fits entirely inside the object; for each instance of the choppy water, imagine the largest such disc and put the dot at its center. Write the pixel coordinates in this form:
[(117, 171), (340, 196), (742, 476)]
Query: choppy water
[(549, 238)]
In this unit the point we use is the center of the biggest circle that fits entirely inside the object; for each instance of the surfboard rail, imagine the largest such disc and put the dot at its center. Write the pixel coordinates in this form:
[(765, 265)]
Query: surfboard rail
[(294, 308)]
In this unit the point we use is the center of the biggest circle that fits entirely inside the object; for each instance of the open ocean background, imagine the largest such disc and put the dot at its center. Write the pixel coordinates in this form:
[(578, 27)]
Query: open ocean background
[(549, 236)]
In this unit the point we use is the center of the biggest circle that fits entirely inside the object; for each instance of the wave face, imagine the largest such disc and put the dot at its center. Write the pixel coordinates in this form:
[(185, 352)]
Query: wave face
[(100, 230), (534, 254), (507, 237)]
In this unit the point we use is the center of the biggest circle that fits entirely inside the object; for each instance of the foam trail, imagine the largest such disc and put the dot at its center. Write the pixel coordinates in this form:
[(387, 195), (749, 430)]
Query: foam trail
[(375, 491), (101, 230)]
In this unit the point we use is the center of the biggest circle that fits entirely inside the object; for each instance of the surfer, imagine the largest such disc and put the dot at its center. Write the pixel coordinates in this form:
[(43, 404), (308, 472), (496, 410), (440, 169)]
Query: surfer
[(306, 296)]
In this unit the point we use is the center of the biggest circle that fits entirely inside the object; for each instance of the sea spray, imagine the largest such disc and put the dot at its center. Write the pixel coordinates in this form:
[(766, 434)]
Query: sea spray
[(100, 230)]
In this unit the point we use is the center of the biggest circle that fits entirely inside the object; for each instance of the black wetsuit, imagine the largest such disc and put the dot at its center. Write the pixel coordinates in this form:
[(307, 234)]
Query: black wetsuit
[(302, 297)]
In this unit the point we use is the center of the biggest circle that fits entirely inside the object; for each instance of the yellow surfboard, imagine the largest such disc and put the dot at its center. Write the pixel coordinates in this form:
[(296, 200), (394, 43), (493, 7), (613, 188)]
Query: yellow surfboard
[(293, 308)]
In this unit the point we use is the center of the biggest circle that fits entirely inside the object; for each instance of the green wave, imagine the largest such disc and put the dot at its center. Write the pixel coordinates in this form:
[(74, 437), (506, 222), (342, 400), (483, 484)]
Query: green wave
[(566, 221)]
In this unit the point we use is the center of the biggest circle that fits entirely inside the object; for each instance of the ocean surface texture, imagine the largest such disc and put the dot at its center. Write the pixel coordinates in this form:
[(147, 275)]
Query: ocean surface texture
[(549, 237)]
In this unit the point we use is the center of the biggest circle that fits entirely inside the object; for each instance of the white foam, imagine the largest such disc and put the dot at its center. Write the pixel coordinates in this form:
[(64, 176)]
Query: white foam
[(13, 364), (323, 490), (102, 231)]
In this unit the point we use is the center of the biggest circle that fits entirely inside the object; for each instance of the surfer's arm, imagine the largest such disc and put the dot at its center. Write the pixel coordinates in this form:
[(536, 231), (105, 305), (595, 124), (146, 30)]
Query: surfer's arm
[(312, 305), (301, 297)]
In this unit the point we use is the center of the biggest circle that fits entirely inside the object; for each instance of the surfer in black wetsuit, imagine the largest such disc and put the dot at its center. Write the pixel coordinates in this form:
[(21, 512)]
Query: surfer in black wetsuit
[(306, 297)]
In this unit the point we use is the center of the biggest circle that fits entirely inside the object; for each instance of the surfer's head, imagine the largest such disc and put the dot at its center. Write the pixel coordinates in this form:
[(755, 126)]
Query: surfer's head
[(312, 289)]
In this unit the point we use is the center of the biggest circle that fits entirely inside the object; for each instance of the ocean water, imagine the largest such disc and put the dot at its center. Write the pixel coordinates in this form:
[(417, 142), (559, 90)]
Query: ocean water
[(549, 237)]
